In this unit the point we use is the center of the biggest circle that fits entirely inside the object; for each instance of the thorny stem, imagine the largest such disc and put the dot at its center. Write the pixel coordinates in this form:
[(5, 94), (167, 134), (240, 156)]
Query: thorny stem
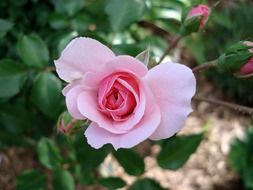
[(236, 107), (204, 66), (172, 45)]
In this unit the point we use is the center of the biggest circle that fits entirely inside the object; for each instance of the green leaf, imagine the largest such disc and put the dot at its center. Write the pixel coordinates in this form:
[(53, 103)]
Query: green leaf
[(13, 122), (147, 184), (46, 93), (132, 162), (5, 27), (62, 179), (31, 180), (7, 140), (88, 157), (112, 182), (240, 157), (70, 7), (81, 23), (83, 176), (49, 154), (247, 177), (123, 13), (58, 21), (12, 78), (33, 51), (237, 157), (177, 150)]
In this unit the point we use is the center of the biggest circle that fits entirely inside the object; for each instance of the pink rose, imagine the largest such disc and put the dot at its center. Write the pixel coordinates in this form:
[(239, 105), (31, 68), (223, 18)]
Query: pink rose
[(200, 12), (125, 102)]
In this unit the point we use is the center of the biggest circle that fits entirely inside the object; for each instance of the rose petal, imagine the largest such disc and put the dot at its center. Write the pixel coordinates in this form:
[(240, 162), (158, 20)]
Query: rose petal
[(140, 109), (80, 56), (97, 136), (67, 88), (173, 86), (88, 106), (122, 63), (71, 101), (94, 80)]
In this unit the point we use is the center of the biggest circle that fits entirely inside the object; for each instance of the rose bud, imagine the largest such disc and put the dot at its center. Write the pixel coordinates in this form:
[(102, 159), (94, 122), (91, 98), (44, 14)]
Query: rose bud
[(238, 59), (195, 18), (65, 123)]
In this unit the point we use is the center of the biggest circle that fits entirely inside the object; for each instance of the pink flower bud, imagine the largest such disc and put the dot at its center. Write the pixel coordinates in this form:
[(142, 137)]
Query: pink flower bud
[(247, 69), (200, 12), (63, 128)]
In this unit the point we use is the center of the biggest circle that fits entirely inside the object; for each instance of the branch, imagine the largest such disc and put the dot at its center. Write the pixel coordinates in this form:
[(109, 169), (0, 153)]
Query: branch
[(204, 66), (154, 29), (172, 45), (236, 107)]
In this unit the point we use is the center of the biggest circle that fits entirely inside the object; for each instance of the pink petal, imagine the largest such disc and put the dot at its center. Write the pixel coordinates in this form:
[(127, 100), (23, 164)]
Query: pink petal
[(199, 10), (247, 68), (67, 88), (122, 63), (141, 100), (80, 56), (88, 106), (173, 86), (97, 136), (71, 101), (95, 79)]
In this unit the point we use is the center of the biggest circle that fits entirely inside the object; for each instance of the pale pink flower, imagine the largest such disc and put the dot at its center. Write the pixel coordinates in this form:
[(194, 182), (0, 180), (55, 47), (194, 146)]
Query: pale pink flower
[(125, 102), (200, 11)]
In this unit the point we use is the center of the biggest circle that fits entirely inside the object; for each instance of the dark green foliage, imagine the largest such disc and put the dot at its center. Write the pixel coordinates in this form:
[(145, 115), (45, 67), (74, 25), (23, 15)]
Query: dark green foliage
[(123, 13), (177, 150), (46, 93), (5, 27), (62, 179), (132, 162), (48, 153), (12, 78), (33, 51), (112, 182), (241, 157), (88, 157), (31, 180), (147, 184)]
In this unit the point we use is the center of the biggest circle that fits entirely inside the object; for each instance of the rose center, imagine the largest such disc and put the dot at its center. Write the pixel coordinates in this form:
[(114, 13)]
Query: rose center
[(118, 96), (114, 99)]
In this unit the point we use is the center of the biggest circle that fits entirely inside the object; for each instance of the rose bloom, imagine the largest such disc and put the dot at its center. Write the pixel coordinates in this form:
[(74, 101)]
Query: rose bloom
[(200, 11), (125, 102)]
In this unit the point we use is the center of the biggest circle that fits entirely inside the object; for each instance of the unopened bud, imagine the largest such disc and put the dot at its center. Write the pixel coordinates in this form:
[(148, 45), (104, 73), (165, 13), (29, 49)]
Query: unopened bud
[(195, 18), (65, 123), (238, 59)]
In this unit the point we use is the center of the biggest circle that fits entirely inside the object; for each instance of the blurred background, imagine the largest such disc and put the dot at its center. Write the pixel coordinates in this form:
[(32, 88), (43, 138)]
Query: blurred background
[(213, 151)]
